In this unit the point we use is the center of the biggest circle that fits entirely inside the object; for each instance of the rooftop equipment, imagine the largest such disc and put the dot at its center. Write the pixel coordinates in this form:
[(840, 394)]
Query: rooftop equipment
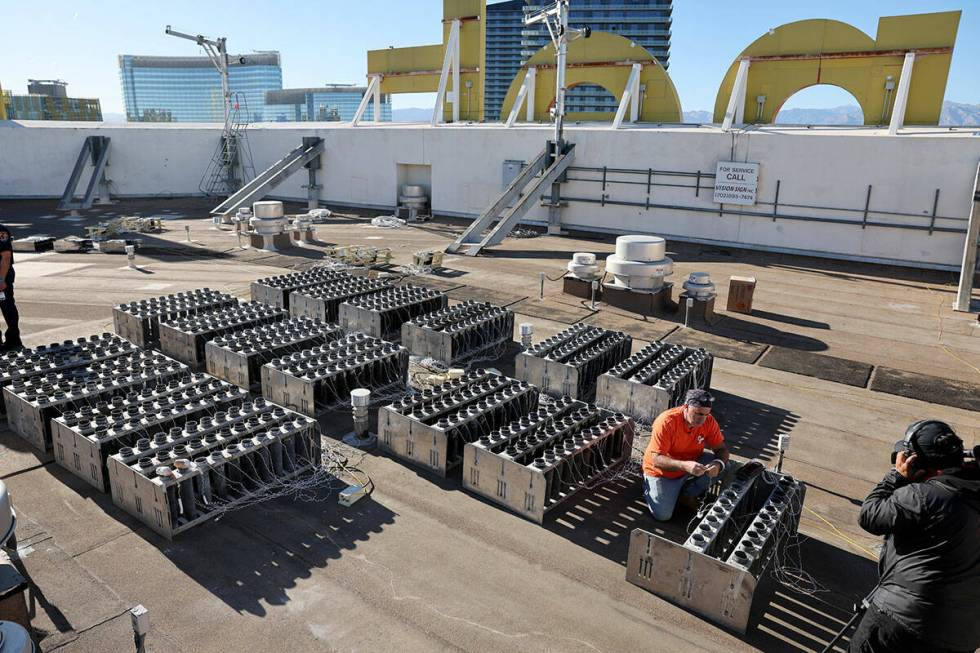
[(184, 338), (183, 477), (640, 263), (716, 571), (654, 379), (319, 379), (430, 429), (570, 362), (238, 357), (535, 463), (139, 321), (459, 333)]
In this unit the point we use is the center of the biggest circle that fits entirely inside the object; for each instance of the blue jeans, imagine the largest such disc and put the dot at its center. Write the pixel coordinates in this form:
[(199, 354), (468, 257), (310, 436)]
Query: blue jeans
[(662, 493)]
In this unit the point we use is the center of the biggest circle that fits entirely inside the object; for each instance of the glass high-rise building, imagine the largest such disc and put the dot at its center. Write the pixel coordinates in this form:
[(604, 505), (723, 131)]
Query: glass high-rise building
[(188, 89), (322, 104), (647, 22), (505, 22), (48, 100)]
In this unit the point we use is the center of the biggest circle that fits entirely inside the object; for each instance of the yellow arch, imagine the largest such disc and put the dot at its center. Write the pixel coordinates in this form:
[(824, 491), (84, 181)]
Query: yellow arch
[(417, 69), (605, 60), (809, 52)]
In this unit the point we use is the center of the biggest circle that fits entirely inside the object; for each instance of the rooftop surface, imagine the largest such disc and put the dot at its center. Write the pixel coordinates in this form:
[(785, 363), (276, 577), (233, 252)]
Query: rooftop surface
[(841, 356)]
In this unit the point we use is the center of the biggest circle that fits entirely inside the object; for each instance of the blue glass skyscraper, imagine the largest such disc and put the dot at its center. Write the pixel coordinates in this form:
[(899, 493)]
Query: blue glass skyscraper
[(188, 89), (505, 22), (647, 22)]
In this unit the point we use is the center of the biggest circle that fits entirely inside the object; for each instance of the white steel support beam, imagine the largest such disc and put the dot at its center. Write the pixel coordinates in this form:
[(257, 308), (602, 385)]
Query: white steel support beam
[(373, 92), (630, 99), (450, 63), (736, 101), (969, 268), (902, 95), (532, 85), (525, 97)]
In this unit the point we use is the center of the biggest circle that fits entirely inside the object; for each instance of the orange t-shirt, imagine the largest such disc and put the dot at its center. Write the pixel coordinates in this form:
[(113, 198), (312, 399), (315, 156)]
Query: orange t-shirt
[(672, 437)]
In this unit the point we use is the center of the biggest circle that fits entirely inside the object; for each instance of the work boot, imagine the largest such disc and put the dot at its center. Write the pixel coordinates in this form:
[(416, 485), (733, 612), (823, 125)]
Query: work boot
[(11, 346), (691, 503)]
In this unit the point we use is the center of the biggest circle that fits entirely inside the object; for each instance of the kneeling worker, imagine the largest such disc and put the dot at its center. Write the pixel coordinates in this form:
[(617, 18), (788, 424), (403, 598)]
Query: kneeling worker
[(675, 462)]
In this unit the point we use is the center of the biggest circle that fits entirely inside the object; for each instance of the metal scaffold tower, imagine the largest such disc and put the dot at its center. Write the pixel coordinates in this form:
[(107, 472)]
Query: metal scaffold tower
[(231, 165)]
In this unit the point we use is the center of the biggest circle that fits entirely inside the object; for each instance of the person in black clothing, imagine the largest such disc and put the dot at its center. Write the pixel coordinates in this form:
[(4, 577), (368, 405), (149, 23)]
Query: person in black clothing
[(11, 339), (928, 509)]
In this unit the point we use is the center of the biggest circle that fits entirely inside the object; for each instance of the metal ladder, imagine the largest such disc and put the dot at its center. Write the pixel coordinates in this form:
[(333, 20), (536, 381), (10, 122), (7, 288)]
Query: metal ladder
[(233, 155), (497, 221), (272, 176), (95, 148)]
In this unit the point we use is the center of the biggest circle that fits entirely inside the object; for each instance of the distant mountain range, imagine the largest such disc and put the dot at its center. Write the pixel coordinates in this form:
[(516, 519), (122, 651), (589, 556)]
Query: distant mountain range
[(413, 114), (954, 113)]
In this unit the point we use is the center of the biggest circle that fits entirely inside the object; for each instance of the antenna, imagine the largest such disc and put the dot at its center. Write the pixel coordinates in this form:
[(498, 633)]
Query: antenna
[(555, 19), (217, 51)]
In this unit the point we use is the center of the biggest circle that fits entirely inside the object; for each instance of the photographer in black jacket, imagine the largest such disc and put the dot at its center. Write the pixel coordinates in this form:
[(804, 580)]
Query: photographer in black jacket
[(928, 509)]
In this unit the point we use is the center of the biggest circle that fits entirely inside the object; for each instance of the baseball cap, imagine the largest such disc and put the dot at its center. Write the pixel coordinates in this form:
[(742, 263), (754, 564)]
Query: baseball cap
[(699, 398)]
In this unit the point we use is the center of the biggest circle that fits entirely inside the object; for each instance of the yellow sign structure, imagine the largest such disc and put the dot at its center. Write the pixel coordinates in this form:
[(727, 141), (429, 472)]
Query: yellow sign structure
[(606, 60), (810, 52), (3, 105), (418, 69)]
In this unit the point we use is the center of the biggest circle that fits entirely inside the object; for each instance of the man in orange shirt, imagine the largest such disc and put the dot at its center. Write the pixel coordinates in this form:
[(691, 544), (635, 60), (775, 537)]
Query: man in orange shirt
[(675, 461)]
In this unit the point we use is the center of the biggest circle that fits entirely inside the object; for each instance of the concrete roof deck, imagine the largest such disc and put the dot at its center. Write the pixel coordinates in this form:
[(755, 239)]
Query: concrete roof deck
[(422, 563)]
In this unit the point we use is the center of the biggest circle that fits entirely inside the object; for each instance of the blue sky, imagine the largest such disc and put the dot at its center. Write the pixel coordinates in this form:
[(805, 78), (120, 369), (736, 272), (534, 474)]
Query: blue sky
[(326, 41)]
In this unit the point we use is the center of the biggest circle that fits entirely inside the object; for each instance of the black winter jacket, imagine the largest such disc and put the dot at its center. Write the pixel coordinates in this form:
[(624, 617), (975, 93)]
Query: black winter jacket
[(930, 562)]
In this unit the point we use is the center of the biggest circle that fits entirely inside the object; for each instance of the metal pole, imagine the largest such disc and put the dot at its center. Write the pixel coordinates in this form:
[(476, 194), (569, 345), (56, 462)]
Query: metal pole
[(542, 285), (969, 268), (225, 86), (560, 76)]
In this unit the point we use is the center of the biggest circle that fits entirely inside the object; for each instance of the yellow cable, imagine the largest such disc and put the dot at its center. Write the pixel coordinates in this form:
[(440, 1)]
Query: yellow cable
[(939, 316), (840, 534)]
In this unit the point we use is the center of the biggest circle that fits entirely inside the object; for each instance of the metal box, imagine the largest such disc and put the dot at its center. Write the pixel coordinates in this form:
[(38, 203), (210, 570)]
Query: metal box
[(83, 440), (32, 403), (717, 577), (276, 291), (317, 380), (382, 314), (569, 364), (184, 338), (238, 357), (654, 379), (431, 429), (212, 472), (460, 333), (60, 357), (322, 301), (139, 321), (530, 468)]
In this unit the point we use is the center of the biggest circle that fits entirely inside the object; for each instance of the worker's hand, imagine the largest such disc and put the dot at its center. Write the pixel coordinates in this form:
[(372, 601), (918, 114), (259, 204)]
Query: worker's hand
[(694, 468), (3, 285), (906, 466), (713, 468)]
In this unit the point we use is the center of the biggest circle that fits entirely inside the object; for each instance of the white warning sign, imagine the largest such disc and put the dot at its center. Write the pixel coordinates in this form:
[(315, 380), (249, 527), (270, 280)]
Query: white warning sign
[(736, 183)]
